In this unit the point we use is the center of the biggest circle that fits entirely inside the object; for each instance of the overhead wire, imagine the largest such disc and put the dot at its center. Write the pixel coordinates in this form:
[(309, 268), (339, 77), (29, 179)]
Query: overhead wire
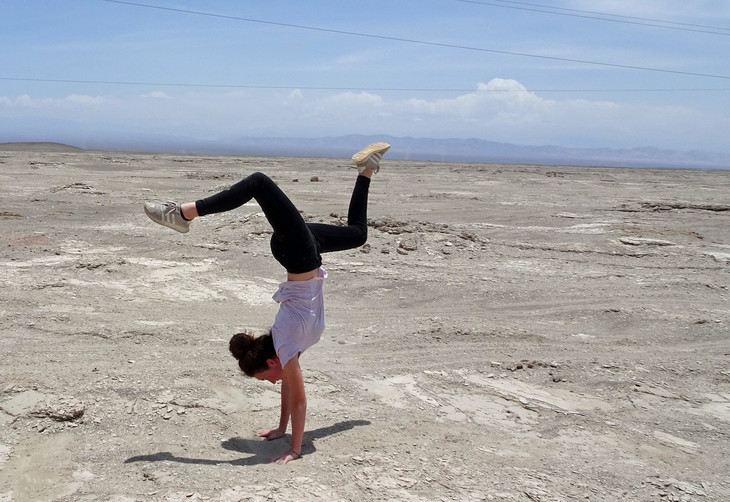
[(618, 15), (603, 16), (420, 42), (350, 88), (621, 16)]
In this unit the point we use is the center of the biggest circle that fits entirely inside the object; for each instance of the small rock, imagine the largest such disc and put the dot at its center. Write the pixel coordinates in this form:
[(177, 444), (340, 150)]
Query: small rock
[(61, 409), (408, 245), (640, 241)]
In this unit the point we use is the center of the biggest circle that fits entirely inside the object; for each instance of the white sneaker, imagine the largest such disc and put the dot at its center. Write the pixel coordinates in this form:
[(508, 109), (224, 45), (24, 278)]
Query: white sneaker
[(167, 214), (369, 157)]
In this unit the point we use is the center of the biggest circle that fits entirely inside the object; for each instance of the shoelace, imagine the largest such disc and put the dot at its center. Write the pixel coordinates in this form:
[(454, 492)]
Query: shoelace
[(169, 207)]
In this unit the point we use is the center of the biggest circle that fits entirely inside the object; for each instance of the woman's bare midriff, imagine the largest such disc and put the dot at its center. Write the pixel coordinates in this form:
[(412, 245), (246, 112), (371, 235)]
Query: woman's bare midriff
[(303, 276)]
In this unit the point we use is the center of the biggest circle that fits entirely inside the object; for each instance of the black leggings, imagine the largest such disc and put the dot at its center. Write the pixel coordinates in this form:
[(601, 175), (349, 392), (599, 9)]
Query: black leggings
[(295, 244)]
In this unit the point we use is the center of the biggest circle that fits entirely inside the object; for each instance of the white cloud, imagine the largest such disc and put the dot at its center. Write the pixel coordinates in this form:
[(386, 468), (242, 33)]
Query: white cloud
[(74, 101), (354, 100), (499, 101), (501, 84), (155, 95)]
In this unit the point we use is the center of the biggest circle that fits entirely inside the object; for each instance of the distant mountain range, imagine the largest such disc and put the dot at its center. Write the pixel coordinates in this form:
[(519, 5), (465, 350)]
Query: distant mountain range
[(38, 147), (417, 149), (477, 150)]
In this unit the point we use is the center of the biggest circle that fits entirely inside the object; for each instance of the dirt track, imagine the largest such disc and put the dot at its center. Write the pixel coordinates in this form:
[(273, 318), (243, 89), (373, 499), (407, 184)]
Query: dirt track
[(511, 333)]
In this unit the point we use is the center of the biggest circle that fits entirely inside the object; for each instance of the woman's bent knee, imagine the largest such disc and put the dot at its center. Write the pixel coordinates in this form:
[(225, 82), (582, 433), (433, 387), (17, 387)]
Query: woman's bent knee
[(361, 237)]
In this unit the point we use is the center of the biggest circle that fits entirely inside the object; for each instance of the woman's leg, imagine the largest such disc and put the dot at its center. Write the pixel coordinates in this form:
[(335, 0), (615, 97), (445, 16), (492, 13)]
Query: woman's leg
[(292, 243), (295, 245), (276, 205), (335, 238)]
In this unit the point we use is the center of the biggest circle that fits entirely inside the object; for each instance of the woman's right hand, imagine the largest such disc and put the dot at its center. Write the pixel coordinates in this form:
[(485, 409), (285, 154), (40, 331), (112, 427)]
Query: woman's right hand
[(270, 434)]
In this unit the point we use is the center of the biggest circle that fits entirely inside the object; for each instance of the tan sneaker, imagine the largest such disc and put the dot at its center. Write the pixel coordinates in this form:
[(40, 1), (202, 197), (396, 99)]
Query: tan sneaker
[(370, 157), (167, 214)]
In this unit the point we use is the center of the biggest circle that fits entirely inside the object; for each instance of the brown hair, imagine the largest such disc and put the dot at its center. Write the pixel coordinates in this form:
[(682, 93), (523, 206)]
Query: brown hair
[(252, 352)]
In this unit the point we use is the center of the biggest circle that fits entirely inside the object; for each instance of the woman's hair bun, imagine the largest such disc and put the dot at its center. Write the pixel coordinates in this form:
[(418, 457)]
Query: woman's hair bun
[(240, 344), (253, 354)]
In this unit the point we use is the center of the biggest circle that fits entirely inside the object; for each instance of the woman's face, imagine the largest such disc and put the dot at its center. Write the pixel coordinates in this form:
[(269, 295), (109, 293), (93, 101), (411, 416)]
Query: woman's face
[(272, 373)]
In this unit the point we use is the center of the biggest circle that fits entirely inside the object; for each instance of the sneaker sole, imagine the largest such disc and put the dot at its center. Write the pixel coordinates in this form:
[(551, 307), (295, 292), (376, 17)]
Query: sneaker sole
[(366, 152)]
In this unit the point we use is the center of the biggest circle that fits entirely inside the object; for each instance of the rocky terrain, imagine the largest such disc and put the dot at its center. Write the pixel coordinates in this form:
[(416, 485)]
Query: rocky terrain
[(509, 333)]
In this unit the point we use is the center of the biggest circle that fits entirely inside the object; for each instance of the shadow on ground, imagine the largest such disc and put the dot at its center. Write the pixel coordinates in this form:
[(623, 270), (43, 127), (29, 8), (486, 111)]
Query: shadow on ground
[(259, 451)]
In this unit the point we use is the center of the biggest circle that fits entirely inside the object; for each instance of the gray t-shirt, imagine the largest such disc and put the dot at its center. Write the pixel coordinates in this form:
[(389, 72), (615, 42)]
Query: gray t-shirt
[(300, 321)]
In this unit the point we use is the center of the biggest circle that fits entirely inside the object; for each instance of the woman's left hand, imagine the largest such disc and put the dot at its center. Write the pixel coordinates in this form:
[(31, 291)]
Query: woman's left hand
[(286, 457)]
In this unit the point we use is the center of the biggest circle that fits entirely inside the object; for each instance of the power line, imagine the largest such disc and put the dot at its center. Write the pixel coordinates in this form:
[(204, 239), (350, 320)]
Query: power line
[(372, 89), (603, 16), (620, 16), (420, 42)]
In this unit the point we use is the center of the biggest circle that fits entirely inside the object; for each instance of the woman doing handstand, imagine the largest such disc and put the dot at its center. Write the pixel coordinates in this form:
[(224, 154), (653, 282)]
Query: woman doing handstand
[(297, 245)]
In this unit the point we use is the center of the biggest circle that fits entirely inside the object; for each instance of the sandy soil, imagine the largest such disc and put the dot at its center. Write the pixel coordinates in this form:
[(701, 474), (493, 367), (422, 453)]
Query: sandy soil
[(511, 333)]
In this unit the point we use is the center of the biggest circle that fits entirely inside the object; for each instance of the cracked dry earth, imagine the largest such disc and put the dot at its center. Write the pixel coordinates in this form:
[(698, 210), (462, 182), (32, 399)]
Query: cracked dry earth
[(509, 333)]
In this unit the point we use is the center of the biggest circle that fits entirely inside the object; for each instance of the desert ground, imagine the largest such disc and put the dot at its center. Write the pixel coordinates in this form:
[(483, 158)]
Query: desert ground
[(508, 333)]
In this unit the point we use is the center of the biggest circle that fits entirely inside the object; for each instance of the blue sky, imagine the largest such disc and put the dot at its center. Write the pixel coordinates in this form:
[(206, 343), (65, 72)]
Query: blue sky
[(533, 72)]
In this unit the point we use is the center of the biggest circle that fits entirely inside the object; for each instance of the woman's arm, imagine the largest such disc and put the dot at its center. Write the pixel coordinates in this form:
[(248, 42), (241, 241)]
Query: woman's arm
[(293, 381), (272, 434), (285, 413)]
